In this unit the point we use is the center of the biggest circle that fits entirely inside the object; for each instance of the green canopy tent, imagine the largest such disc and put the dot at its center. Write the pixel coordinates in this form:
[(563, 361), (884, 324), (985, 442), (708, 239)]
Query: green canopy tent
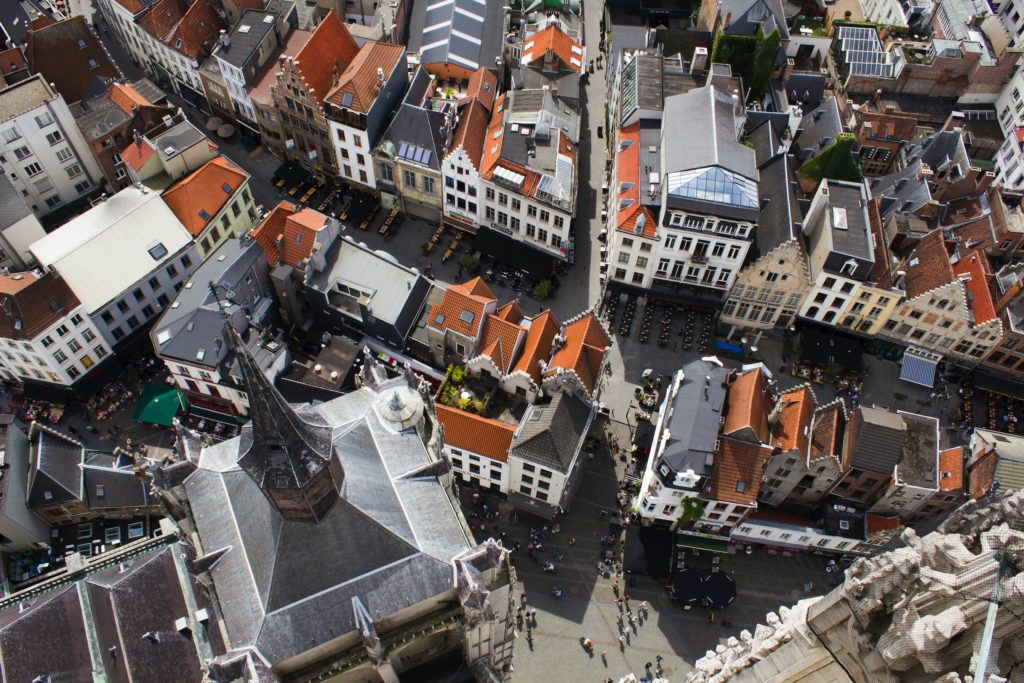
[(159, 404)]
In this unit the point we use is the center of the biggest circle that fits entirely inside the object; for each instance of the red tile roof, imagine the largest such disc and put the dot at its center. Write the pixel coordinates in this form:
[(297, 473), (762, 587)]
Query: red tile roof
[(951, 469), (973, 271), (826, 434), (330, 50), (736, 475), (471, 131), (537, 347), (876, 523), (629, 209), (474, 433), (300, 231), (125, 97), (585, 344), (498, 342), (360, 78), (133, 6), (12, 60), (483, 85), (793, 430), (493, 140), (162, 17), (881, 271), (510, 312), (982, 473), (266, 233), (259, 91), (555, 43), (748, 404), (891, 125), (928, 266), (470, 298), (203, 191), (137, 153), (197, 30)]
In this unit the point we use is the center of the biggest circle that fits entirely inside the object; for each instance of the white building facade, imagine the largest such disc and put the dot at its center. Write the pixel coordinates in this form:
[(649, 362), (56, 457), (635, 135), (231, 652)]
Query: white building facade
[(42, 150), (144, 250)]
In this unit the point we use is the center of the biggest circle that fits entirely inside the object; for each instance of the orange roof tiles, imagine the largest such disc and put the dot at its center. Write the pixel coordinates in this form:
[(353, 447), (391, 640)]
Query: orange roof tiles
[(471, 131), (928, 266), (748, 405), (202, 192), (881, 272), (793, 429), (483, 86), (493, 139), (499, 342), (876, 523), (126, 97), (975, 267), (133, 6), (330, 47), (982, 473), (543, 328), (891, 125), (627, 178), (461, 301), (510, 312), (137, 153), (300, 230), (825, 435), (585, 344), (736, 475), (951, 469), (360, 78), (162, 17), (195, 33), (266, 232), (12, 60), (553, 43), (474, 433)]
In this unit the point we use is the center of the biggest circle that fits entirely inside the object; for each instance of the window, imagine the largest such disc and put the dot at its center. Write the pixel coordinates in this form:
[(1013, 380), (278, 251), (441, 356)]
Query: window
[(158, 251), (147, 311), (54, 137), (22, 153), (542, 234), (10, 134), (544, 216), (409, 178), (132, 321), (515, 204), (73, 372), (44, 119), (186, 261), (88, 335), (33, 169), (531, 210), (82, 186), (428, 185), (62, 330), (74, 346), (47, 341), (60, 357)]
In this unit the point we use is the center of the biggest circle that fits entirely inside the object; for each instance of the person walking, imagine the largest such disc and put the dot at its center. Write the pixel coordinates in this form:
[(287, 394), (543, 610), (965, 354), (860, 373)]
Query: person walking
[(604, 656)]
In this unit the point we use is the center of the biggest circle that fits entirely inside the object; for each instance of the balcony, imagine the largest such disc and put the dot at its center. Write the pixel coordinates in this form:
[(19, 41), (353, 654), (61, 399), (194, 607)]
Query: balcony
[(699, 258)]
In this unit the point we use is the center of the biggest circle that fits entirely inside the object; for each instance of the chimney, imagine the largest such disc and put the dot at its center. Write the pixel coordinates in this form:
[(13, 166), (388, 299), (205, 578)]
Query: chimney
[(699, 61), (380, 77), (224, 40)]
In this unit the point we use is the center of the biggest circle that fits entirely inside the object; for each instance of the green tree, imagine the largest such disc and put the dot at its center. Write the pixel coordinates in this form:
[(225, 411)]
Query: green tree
[(764, 63), (469, 263), (542, 290)]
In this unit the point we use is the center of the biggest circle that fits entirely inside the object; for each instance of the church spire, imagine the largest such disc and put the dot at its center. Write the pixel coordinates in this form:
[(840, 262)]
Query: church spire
[(286, 451)]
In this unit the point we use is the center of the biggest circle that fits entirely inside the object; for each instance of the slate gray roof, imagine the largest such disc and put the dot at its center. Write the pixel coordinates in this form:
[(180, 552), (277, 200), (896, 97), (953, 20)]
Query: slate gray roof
[(779, 218), (747, 15), (699, 130), (193, 321), (389, 540), (805, 89), (551, 435), (904, 190), (465, 33), (415, 136), (877, 440), (110, 482), (57, 470), (854, 239), (244, 42), (139, 596), (818, 130), (13, 206), (696, 415), (49, 637)]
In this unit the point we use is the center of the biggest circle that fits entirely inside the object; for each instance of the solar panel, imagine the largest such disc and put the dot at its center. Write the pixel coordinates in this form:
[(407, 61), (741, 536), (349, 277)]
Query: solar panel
[(346, 100), (418, 158)]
